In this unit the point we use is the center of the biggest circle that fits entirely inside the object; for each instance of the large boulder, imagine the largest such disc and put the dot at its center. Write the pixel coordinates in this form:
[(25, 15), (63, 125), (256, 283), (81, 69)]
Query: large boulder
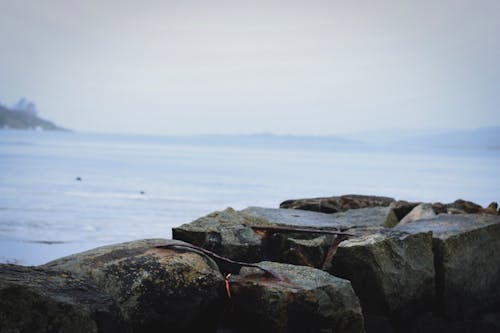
[(225, 232), (42, 300), (156, 289), (392, 272), (307, 300), (466, 249), (337, 203)]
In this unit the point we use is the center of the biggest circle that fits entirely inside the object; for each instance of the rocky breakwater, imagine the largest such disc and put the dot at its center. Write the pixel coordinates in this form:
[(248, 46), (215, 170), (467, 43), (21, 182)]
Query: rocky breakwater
[(408, 277), (170, 286), (374, 264)]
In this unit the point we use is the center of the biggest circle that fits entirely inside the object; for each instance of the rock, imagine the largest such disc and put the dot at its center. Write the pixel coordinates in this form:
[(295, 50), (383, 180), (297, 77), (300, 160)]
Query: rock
[(157, 290), (467, 207), (464, 207), (392, 272), (305, 252), (309, 300), (440, 208), (337, 204), (429, 323), (41, 300), (401, 208), (466, 249), (354, 218), (422, 211), (491, 209), (225, 233)]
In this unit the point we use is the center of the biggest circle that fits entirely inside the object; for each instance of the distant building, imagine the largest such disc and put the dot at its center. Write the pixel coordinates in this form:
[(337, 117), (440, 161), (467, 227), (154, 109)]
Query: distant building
[(25, 106)]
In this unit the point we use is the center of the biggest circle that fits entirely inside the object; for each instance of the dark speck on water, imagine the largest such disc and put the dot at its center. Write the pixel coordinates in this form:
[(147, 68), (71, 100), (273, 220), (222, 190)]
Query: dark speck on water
[(79, 179)]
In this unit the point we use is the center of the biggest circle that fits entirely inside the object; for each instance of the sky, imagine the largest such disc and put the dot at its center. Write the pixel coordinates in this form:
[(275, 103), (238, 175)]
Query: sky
[(286, 67)]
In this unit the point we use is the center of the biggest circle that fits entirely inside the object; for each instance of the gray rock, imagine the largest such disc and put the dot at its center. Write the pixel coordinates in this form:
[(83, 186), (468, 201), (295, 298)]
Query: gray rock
[(337, 204), (466, 251), (157, 290), (401, 208), (392, 272), (354, 218), (226, 233), (41, 300), (309, 300), (422, 211)]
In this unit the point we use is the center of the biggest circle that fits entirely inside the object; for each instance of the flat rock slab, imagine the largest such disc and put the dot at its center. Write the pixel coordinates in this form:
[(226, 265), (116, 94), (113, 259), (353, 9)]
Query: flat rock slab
[(391, 272), (467, 263), (157, 290), (309, 300), (41, 300), (354, 218), (337, 203)]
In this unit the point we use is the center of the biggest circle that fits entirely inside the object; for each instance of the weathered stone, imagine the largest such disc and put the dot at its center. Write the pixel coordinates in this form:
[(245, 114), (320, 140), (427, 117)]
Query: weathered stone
[(41, 300), (337, 204), (309, 300), (156, 289), (428, 323), (392, 272), (421, 211), (464, 207), (466, 249), (440, 208), (306, 252), (491, 209), (401, 208), (227, 233), (468, 207), (354, 218)]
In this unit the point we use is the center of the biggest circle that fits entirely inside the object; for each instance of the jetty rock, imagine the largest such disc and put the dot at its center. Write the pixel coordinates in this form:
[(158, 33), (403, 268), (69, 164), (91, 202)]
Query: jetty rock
[(337, 204), (34, 299), (236, 235), (392, 272), (304, 300), (156, 289), (466, 249)]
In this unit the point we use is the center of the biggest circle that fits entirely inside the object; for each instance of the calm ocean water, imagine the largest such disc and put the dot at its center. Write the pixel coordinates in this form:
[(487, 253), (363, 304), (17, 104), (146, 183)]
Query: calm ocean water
[(46, 213)]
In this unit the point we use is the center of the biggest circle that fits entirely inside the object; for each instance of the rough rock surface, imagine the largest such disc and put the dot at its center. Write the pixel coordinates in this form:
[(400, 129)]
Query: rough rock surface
[(466, 251), (421, 211), (464, 207), (308, 300), (41, 300), (392, 272), (401, 208), (354, 218), (337, 203), (227, 233), (157, 290)]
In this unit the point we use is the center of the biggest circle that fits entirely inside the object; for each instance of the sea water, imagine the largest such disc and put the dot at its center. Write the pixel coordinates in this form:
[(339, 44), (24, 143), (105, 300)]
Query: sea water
[(63, 192)]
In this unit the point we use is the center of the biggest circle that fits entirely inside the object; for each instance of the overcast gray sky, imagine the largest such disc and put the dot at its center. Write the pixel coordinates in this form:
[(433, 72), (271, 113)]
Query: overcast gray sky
[(288, 67)]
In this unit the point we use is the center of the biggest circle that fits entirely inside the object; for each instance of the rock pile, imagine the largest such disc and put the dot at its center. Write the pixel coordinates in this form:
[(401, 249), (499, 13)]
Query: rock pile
[(341, 264)]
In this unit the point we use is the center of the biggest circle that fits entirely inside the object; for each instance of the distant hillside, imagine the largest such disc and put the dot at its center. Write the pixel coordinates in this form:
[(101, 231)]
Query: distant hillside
[(485, 138), (25, 119)]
